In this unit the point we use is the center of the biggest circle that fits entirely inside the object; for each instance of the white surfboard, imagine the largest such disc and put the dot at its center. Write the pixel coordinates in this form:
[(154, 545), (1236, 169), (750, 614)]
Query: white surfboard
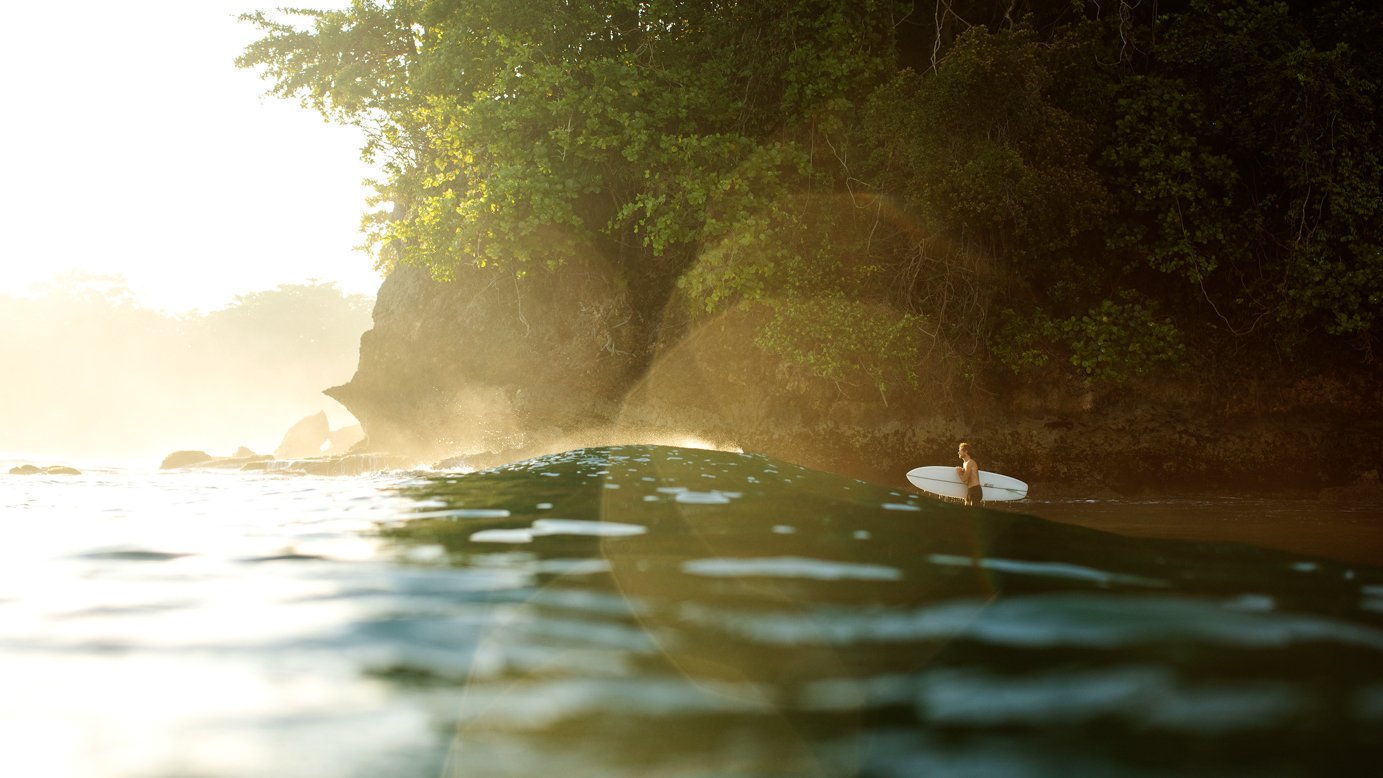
[(942, 480)]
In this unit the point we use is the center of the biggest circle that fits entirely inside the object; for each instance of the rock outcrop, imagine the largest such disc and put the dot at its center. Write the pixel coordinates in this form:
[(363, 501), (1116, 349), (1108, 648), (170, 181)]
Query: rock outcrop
[(342, 440), (183, 459), (308, 447), (344, 465), (306, 438), (488, 360), (1367, 489), (50, 470), (494, 369), (201, 459)]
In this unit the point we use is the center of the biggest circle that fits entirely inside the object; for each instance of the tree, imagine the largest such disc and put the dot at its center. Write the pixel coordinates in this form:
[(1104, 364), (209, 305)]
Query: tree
[(1255, 174), (671, 139), (780, 156), (525, 133)]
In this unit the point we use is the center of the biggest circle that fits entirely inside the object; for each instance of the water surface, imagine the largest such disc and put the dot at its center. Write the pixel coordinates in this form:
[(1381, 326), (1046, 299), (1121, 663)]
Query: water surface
[(653, 611), (1348, 531)]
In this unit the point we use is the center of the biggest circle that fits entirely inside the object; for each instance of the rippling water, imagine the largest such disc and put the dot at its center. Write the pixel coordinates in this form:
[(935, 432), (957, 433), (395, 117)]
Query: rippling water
[(653, 611)]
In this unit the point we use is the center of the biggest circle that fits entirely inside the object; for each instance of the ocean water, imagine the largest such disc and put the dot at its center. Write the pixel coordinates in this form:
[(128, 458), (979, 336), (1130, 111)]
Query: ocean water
[(654, 611)]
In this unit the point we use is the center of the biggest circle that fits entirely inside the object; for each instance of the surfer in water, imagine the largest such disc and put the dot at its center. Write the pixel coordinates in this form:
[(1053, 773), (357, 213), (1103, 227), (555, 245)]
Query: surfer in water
[(969, 472)]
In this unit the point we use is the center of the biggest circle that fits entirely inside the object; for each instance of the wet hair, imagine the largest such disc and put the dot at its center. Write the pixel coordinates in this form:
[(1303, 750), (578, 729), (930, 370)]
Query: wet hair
[(965, 447)]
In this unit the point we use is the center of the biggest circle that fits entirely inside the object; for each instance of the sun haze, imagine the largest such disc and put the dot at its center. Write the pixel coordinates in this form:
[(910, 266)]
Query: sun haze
[(133, 146), (161, 217)]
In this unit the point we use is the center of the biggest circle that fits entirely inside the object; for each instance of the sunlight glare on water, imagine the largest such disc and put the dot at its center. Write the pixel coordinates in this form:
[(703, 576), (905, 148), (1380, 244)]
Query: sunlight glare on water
[(184, 604), (715, 614)]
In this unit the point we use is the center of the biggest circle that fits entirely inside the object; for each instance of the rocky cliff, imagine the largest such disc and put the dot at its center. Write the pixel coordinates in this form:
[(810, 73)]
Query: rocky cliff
[(492, 367), (487, 361)]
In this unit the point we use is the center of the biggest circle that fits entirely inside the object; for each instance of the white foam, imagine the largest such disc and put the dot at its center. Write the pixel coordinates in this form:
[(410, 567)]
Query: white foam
[(463, 513), (515, 535), (1252, 603), (427, 554), (572, 566), (544, 527), (790, 567), (1045, 569), (713, 497), (608, 529)]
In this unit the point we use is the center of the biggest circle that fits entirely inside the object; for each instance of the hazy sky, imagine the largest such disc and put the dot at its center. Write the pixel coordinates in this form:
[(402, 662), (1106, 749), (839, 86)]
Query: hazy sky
[(130, 144)]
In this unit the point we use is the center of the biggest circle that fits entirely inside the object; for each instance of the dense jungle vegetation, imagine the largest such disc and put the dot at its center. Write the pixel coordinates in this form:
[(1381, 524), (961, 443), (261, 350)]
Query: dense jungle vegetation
[(1042, 190)]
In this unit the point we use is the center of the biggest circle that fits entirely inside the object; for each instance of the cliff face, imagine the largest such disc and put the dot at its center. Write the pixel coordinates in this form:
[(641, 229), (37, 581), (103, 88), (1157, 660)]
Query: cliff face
[(493, 368), (484, 362)]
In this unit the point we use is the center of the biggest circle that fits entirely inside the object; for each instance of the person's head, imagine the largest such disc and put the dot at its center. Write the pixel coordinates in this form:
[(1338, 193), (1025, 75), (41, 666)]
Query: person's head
[(963, 450)]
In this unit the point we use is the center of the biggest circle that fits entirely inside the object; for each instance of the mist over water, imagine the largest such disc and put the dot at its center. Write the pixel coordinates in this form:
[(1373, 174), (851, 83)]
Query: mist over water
[(90, 374)]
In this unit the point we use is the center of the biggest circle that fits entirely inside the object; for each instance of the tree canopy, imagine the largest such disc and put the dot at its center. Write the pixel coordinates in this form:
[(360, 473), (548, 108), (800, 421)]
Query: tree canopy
[(1077, 190)]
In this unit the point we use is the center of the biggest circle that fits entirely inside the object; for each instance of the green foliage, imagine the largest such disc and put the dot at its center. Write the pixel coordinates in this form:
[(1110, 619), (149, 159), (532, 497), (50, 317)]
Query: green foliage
[(979, 150), (352, 66), (537, 131), (1179, 190), (1253, 168), (773, 155), (841, 340), (1114, 341), (1334, 266), (1111, 342)]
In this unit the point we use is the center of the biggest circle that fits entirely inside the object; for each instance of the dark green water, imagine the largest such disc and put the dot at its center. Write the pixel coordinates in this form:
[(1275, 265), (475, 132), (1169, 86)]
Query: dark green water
[(689, 613), (646, 611)]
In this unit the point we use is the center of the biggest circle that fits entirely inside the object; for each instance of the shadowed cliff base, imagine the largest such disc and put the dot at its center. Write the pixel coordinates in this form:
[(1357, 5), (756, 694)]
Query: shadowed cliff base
[(494, 369)]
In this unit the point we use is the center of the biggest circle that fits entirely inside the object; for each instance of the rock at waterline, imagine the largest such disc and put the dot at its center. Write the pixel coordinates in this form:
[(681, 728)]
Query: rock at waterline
[(344, 465), (183, 459), (1366, 489), (312, 436), (52, 470), (343, 439), (305, 438), (179, 459)]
